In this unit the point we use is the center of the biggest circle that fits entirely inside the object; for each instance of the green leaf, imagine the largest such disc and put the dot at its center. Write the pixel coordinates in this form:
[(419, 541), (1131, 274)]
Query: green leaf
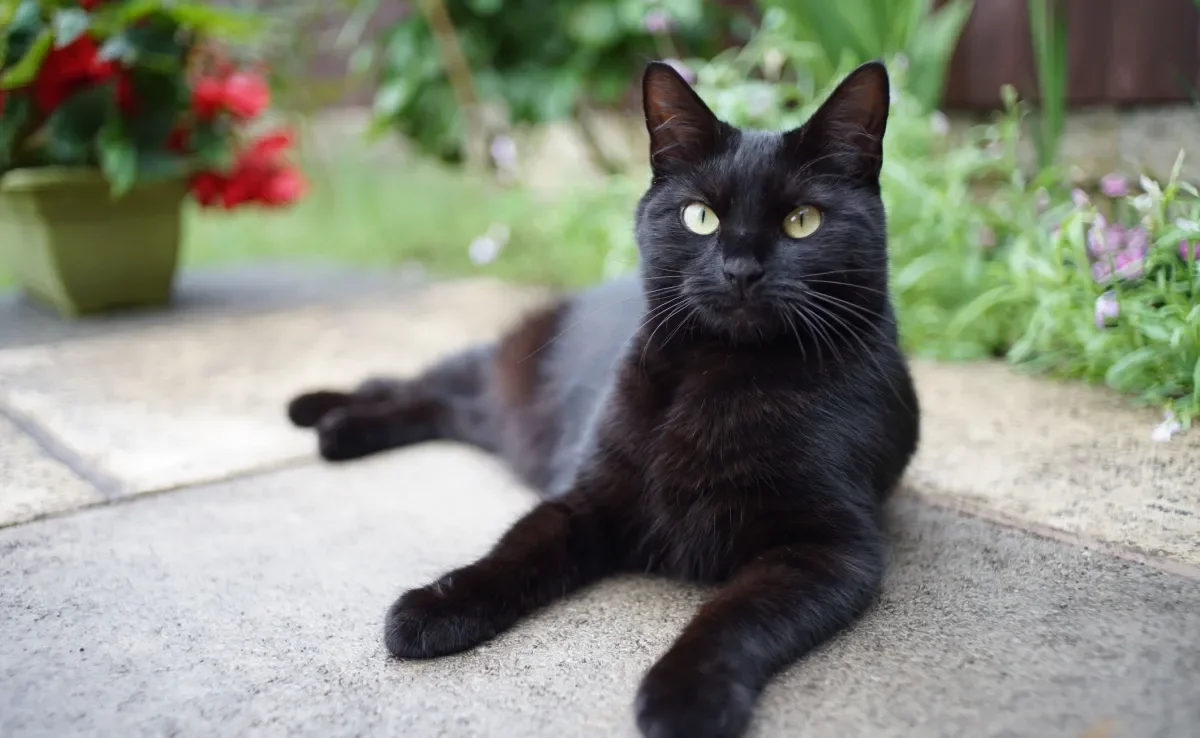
[(69, 25), (1122, 374), (17, 113), (213, 20), (27, 68), (160, 165), (118, 158), (71, 130), (594, 25), (210, 142)]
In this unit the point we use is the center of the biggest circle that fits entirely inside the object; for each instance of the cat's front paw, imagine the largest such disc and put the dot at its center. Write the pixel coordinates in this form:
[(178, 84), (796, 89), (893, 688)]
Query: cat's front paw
[(306, 410), (692, 703), (430, 622)]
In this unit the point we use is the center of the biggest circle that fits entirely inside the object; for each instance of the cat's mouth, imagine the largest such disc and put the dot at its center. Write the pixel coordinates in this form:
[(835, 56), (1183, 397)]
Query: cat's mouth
[(736, 316)]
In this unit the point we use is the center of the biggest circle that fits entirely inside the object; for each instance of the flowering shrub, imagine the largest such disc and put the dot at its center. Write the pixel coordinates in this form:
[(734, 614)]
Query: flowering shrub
[(141, 91)]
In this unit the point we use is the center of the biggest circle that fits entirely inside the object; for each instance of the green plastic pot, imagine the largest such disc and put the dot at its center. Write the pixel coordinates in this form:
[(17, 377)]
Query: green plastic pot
[(76, 249)]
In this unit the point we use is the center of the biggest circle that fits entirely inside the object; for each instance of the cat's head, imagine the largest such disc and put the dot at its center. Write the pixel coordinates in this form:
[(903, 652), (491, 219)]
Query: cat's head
[(754, 235)]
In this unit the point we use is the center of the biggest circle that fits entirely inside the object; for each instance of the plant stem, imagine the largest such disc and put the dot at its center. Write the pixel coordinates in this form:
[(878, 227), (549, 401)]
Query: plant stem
[(461, 81)]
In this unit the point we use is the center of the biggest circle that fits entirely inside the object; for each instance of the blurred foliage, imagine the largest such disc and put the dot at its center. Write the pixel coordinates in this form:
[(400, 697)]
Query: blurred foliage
[(538, 60), (1048, 32), (849, 32)]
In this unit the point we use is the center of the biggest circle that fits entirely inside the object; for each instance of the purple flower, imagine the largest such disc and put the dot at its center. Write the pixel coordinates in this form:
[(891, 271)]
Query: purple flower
[(1129, 265), (1103, 240), (1102, 272), (1107, 309), (684, 70), (1137, 241), (1185, 251), (1114, 185), (658, 22), (1080, 198)]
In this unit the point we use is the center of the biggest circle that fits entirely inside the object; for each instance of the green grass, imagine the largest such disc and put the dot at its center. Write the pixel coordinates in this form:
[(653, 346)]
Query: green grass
[(375, 213), (370, 213)]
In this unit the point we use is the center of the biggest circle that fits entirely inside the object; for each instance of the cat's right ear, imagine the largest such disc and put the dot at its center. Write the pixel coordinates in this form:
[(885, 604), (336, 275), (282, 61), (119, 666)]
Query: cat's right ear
[(682, 128)]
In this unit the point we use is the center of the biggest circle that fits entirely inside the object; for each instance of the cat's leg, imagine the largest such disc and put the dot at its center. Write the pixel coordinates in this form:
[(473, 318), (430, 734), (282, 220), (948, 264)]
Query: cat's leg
[(448, 401), (459, 375), (556, 548), (772, 611)]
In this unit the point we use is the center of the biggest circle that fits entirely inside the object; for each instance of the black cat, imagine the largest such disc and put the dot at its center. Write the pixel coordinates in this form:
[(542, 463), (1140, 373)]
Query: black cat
[(734, 416)]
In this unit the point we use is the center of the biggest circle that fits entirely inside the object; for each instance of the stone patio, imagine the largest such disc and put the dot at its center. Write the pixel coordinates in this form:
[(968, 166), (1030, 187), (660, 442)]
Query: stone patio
[(1046, 576)]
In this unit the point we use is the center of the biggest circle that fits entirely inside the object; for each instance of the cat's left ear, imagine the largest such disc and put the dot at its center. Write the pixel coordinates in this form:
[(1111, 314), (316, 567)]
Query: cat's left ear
[(848, 128)]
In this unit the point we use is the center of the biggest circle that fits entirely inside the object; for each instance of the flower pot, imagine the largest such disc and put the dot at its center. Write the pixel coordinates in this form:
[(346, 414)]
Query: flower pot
[(75, 248)]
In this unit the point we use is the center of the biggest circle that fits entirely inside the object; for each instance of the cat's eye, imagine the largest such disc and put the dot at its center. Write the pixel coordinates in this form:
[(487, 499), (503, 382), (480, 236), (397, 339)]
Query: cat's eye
[(699, 218), (802, 222)]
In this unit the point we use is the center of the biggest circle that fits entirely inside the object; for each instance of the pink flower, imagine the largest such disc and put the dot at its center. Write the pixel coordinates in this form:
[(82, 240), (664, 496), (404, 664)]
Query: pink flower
[(658, 22), (1114, 185), (1080, 198), (1102, 272), (1107, 309), (1185, 251)]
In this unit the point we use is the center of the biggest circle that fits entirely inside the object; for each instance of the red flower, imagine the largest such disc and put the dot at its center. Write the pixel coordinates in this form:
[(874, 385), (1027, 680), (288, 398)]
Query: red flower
[(208, 96), (90, 4), (126, 96), (270, 146), (207, 188), (246, 95), (260, 175), (179, 140), (244, 185), (284, 187), (67, 70)]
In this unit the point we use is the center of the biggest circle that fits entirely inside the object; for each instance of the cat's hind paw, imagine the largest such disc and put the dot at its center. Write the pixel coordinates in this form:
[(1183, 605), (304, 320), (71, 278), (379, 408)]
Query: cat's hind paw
[(306, 410)]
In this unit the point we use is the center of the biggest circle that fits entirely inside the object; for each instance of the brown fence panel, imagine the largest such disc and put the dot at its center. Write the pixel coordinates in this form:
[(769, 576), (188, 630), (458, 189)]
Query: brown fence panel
[(1120, 52)]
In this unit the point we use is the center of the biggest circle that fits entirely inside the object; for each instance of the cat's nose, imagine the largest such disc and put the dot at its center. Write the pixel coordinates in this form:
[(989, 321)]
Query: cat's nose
[(743, 274)]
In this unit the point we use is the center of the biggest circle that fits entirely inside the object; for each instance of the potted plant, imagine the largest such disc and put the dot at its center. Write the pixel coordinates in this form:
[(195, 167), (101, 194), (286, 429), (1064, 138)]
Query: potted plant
[(111, 113)]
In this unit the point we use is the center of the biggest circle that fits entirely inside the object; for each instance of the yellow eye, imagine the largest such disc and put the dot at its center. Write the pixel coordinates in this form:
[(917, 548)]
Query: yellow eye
[(700, 219), (802, 222)]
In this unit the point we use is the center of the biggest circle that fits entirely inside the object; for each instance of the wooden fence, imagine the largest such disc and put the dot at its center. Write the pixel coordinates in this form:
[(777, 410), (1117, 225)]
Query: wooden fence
[(1121, 52)]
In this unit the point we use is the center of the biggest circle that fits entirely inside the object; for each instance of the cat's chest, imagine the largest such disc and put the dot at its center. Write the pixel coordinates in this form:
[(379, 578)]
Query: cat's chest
[(712, 437)]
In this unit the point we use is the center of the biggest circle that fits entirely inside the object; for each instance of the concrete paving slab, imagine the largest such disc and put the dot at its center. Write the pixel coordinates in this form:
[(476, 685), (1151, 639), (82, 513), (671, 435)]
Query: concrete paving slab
[(254, 607), (1062, 455), (32, 483), (205, 293), (176, 404)]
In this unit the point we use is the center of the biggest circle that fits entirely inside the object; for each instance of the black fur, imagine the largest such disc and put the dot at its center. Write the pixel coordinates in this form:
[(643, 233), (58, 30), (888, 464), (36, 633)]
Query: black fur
[(688, 423)]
